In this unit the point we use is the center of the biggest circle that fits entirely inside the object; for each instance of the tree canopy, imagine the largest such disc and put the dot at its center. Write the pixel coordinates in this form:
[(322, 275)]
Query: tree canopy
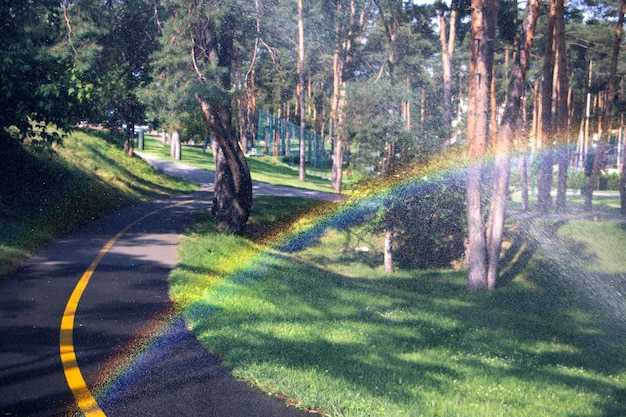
[(386, 83)]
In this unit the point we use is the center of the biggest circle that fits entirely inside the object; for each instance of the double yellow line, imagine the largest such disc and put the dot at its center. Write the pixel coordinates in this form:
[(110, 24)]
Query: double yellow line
[(83, 396)]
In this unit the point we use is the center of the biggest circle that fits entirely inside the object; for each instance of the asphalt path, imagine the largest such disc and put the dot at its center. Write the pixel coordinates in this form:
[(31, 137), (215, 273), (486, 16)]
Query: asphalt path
[(135, 352)]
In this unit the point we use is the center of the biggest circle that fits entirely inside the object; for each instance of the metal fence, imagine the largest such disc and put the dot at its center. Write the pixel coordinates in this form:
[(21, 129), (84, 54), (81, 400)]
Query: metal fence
[(280, 138)]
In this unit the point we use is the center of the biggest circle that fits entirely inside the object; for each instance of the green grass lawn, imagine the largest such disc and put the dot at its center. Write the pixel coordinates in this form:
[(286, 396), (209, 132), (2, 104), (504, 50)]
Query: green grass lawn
[(262, 168), (50, 192), (326, 328)]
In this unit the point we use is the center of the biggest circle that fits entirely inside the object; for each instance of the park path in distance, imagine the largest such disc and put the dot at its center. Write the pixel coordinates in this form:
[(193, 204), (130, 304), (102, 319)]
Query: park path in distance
[(124, 302)]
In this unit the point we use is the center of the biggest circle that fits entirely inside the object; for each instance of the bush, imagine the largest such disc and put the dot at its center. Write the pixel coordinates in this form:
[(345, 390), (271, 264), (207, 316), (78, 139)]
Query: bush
[(610, 182), (577, 180), (431, 226)]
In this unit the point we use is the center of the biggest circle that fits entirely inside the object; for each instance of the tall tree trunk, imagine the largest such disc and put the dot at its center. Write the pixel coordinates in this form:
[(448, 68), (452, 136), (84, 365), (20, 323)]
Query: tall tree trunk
[(544, 185), (232, 199), (608, 108), (562, 108), (504, 141), (483, 27), (300, 70), (343, 44), (391, 31), (336, 106), (447, 39)]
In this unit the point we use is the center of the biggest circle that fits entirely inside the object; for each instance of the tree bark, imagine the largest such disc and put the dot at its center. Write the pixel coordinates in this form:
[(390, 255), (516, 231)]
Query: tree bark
[(562, 108), (388, 253), (523, 179), (129, 142), (504, 142), (232, 199), (300, 70), (447, 41), (336, 117), (544, 184), (483, 27), (175, 148), (606, 113)]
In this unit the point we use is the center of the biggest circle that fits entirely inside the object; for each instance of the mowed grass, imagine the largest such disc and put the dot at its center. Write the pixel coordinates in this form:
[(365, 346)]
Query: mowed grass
[(52, 191), (262, 168), (326, 329)]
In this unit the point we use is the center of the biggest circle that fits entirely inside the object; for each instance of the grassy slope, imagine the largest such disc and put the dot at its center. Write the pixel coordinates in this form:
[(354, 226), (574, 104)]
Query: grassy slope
[(329, 330), (50, 192)]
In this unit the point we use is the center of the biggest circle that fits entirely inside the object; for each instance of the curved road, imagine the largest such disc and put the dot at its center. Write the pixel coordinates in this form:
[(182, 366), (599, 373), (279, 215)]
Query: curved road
[(134, 352)]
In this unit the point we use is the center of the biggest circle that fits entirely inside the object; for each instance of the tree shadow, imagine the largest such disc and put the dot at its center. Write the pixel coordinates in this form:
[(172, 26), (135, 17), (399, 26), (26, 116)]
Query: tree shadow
[(351, 328)]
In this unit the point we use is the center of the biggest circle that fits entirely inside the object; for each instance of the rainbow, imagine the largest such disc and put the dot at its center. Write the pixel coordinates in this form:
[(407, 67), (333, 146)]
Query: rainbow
[(124, 372)]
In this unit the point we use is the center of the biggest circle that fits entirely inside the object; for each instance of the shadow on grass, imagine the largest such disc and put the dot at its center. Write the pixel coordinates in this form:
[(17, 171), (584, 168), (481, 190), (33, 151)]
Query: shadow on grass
[(425, 330)]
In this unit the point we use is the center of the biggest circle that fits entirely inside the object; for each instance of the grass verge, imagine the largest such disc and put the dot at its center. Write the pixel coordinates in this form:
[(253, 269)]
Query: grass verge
[(326, 328), (47, 192)]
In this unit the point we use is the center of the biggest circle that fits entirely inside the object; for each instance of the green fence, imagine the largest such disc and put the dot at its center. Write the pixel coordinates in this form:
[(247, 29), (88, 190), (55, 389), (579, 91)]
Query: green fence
[(281, 139)]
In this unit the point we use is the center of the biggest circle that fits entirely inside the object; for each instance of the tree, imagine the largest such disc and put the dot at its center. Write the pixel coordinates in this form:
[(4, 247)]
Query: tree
[(447, 37), (35, 81), (350, 19), (483, 28), (110, 45), (544, 184), (606, 113), (561, 92), (196, 63), (300, 71), (503, 145)]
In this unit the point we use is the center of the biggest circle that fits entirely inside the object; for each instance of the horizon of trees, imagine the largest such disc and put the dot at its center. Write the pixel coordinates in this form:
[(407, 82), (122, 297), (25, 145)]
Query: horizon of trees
[(390, 77)]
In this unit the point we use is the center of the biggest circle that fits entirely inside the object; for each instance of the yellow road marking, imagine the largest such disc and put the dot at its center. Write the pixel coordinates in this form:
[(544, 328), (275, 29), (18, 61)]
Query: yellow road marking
[(83, 396)]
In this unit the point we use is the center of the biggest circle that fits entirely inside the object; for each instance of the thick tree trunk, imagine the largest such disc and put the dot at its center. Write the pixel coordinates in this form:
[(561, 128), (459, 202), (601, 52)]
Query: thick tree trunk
[(232, 199), (484, 19), (504, 143)]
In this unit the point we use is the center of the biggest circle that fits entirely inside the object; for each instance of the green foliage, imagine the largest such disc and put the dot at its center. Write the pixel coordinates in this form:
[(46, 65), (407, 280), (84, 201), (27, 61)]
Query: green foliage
[(610, 182), (33, 82), (576, 180), (109, 46), (191, 58), (430, 226)]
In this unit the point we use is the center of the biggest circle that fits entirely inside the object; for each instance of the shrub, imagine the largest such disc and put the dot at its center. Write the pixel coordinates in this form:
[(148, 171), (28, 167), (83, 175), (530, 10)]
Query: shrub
[(610, 182), (577, 179), (431, 225)]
